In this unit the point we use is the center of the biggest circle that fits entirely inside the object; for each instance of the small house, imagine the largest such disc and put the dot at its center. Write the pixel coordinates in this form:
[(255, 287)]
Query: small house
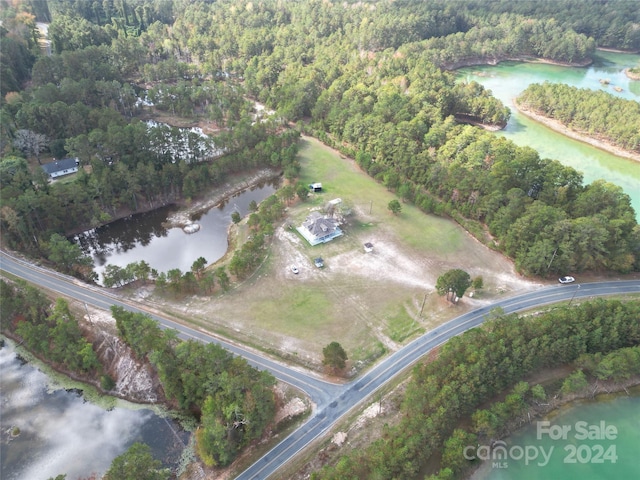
[(59, 168), (368, 247), (319, 229), (315, 187)]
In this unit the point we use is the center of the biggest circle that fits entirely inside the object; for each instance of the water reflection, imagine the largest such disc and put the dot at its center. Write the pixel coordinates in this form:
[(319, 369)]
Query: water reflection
[(143, 236), (45, 433)]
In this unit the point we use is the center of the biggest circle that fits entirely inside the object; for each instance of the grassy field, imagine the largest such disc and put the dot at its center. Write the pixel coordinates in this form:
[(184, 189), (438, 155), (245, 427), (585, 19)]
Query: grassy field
[(369, 302), (343, 179)]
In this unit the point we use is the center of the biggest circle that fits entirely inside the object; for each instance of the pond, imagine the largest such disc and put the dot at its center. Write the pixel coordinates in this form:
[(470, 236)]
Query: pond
[(508, 79), (144, 237), (47, 430)]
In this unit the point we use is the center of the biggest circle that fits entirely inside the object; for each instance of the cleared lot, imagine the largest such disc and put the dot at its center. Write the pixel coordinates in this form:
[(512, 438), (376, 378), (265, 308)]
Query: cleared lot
[(369, 302)]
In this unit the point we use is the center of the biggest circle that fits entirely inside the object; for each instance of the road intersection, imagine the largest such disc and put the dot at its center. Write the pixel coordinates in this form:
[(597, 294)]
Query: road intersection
[(331, 401)]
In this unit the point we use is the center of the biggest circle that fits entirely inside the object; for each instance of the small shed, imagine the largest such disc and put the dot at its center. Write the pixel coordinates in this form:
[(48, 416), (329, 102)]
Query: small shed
[(319, 262), (368, 247), (315, 187)]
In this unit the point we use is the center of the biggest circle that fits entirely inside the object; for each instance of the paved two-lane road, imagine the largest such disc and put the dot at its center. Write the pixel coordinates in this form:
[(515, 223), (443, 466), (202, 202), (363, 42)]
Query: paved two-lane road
[(331, 401)]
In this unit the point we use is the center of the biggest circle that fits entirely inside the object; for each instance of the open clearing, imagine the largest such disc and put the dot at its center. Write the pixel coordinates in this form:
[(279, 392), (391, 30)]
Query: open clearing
[(369, 302)]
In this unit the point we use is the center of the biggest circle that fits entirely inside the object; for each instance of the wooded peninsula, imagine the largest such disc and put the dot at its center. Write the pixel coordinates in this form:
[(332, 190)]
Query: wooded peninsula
[(369, 78)]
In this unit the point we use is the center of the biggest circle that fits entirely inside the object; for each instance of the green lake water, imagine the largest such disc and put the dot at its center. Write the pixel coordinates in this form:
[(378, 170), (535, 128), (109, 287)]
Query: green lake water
[(508, 79), (571, 457)]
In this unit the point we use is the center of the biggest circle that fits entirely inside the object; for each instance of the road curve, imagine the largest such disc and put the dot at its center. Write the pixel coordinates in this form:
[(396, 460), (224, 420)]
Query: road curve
[(321, 392), (331, 401)]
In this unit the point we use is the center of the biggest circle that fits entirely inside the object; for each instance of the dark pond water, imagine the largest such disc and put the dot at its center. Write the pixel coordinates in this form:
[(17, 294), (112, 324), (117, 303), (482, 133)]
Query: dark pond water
[(143, 236), (60, 432)]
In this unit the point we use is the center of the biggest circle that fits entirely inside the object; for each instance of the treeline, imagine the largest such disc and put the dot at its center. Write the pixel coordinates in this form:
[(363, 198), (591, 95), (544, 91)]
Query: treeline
[(51, 333), (509, 36), (33, 209), (247, 258), (477, 366), (596, 113), (610, 23), (537, 210), (394, 111), (233, 401)]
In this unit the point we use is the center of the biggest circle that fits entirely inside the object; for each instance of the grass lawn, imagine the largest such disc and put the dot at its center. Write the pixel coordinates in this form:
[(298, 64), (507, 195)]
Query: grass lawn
[(369, 302), (342, 178)]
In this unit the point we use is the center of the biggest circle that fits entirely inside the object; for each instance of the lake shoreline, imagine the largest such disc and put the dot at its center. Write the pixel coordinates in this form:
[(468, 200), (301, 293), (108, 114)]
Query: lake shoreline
[(188, 209), (493, 61), (559, 127), (236, 184), (588, 394)]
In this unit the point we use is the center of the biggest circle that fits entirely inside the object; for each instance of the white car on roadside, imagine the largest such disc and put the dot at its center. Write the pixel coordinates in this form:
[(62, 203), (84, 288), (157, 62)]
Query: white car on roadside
[(566, 279)]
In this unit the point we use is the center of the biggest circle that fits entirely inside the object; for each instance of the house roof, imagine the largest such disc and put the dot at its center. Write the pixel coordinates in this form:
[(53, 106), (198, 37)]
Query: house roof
[(318, 229), (320, 226), (60, 165)]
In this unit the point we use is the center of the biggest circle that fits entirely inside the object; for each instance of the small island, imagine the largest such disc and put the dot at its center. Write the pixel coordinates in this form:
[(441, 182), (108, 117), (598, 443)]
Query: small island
[(633, 73)]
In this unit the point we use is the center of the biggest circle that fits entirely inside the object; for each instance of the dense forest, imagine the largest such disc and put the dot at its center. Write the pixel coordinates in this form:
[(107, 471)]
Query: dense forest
[(482, 363), (369, 78), (233, 401), (596, 113), (363, 77), (51, 333)]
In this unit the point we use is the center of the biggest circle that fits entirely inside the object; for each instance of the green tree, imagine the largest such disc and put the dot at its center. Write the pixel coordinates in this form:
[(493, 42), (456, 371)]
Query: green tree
[(235, 217), (574, 383), (287, 193), (454, 281), (198, 267), (223, 278), (454, 448), (395, 207), (334, 356), (302, 191), (538, 393), (137, 463), (66, 255)]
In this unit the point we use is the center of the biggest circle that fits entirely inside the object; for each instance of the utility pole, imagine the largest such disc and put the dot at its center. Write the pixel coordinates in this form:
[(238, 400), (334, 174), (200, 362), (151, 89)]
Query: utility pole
[(552, 257), (422, 306), (88, 315), (574, 295)]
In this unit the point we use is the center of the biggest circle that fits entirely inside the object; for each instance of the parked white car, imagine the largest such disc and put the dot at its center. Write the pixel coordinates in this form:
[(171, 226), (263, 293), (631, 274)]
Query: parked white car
[(566, 279)]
